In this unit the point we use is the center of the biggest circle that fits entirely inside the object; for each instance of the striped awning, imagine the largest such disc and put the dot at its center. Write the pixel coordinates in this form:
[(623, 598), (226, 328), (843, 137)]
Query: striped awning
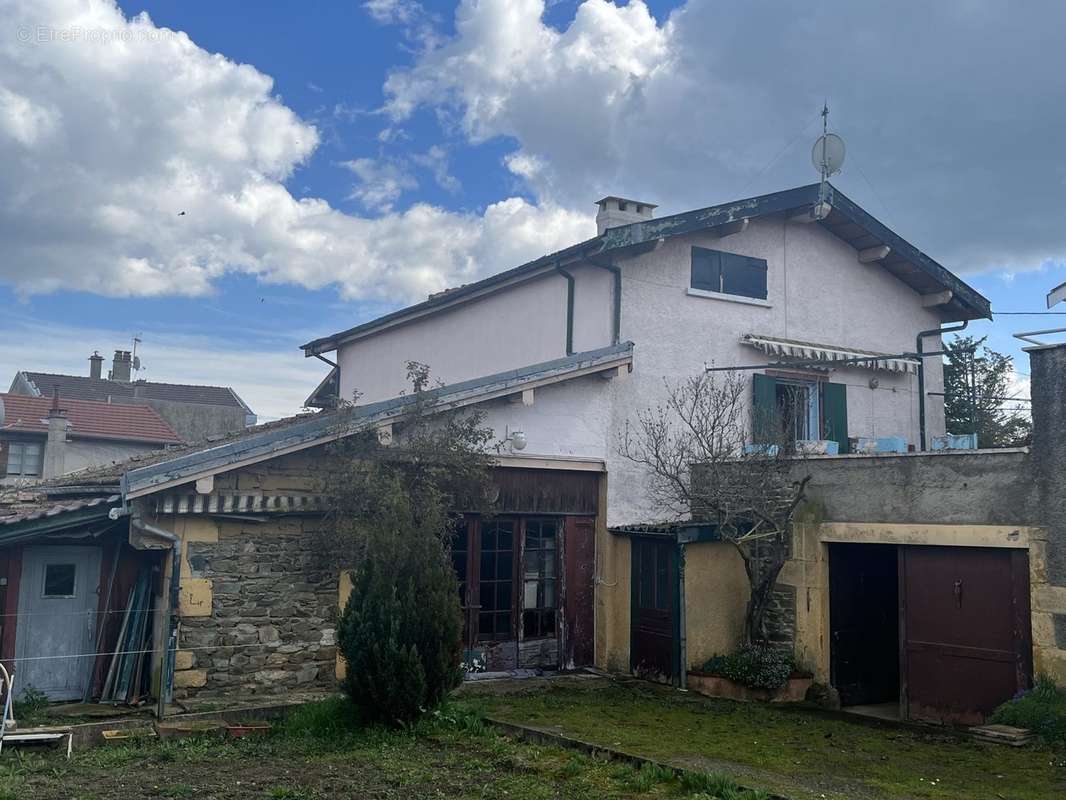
[(810, 351), (238, 503)]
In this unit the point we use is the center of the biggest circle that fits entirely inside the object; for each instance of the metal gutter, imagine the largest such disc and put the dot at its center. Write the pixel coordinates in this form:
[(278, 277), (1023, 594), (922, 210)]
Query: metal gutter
[(569, 308)]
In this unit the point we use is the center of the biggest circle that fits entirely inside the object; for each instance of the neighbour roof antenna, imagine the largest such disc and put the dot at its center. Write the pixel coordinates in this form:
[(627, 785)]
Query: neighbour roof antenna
[(827, 156)]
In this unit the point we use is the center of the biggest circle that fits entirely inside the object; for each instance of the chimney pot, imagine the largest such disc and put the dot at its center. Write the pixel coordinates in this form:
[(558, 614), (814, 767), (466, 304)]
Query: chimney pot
[(96, 365), (615, 211), (121, 366)]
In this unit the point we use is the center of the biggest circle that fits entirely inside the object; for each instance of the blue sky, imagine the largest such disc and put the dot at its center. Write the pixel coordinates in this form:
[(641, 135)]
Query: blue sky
[(423, 148)]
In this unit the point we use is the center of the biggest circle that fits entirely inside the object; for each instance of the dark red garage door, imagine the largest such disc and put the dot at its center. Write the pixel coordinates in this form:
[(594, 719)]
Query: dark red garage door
[(965, 629)]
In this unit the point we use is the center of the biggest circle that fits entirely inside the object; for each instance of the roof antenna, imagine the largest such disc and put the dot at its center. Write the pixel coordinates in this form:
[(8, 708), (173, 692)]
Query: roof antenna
[(136, 358), (827, 155)]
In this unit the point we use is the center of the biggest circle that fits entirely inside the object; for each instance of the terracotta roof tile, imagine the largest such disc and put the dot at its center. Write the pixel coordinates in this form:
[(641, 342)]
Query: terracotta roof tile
[(89, 419)]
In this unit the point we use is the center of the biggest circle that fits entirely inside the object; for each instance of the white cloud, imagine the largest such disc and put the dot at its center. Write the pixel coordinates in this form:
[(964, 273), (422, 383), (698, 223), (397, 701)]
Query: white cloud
[(273, 382), (435, 160), (953, 139), (380, 183), (110, 128)]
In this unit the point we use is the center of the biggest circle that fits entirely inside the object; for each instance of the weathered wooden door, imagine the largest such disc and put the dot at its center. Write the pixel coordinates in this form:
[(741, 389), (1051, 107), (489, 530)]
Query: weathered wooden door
[(59, 593), (864, 623), (579, 567), (653, 638), (966, 639)]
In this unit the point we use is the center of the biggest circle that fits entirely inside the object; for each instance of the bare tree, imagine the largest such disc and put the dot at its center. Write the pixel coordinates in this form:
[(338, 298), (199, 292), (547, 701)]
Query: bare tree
[(701, 465)]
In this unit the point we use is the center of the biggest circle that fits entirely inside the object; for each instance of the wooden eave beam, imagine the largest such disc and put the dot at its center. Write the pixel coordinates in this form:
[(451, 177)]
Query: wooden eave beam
[(739, 226), (871, 254), (937, 298)]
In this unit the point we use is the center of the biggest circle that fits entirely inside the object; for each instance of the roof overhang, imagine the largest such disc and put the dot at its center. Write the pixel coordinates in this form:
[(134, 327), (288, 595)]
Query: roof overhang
[(954, 298), (875, 242), (830, 354), (56, 518), (326, 427), (680, 532)]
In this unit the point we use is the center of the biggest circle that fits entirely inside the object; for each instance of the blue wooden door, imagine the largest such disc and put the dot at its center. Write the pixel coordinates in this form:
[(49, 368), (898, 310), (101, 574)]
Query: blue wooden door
[(59, 593)]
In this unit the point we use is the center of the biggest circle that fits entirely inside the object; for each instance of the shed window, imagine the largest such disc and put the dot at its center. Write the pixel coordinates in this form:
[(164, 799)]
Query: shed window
[(59, 580), (728, 273), (24, 458)]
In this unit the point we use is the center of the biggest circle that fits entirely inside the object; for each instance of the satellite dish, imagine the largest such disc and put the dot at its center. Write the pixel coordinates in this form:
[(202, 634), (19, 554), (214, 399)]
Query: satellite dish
[(827, 155)]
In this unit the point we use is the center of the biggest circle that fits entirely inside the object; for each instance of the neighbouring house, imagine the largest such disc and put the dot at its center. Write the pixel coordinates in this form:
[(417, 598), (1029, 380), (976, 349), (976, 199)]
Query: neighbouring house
[(559, 354), (194, 412), (46, 438)]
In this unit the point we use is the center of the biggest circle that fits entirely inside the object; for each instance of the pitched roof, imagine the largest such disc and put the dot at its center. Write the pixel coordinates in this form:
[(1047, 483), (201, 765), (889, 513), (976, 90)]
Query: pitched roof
[(149, 472), (82, 387), (845, 220), (88, 419), (313, 429), (26, 515)]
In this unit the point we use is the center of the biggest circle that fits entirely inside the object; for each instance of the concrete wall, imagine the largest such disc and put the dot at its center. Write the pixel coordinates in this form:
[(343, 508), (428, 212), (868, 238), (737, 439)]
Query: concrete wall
[(817, 291), (1047, 367), (613, 594), (966, 487), (514, 327), (85, 453), (807, 575), (716, 596), (195, 422), (977, 499)]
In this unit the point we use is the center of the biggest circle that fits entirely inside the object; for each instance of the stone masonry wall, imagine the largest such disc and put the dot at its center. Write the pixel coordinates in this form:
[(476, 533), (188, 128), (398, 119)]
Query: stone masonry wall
[(273, 613)]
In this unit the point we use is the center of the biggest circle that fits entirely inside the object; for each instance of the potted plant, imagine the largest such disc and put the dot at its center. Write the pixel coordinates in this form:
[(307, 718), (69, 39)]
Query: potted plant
[(754, 672)]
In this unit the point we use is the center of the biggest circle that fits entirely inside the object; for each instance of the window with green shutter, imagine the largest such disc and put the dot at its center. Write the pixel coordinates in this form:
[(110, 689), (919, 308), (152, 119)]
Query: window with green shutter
[(835, 414), (797, 409)]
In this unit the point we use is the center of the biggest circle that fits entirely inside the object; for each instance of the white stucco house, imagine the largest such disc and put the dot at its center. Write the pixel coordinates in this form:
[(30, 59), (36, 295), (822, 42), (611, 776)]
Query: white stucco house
[(791, 277)]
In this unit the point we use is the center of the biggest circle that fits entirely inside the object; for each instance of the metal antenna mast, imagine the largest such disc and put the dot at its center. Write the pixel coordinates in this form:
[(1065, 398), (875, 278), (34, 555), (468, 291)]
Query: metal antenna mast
[(827, 156)]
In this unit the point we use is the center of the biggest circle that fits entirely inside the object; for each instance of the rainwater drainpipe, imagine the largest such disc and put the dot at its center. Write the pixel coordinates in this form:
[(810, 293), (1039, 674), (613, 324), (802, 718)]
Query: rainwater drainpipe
[(682, 622), (918, 348), (166, 666), (616, 332), (569, 307)]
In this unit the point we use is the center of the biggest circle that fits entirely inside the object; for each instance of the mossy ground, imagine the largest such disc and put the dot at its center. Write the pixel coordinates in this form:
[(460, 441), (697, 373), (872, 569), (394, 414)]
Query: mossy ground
[(323, 752), (801, 754)]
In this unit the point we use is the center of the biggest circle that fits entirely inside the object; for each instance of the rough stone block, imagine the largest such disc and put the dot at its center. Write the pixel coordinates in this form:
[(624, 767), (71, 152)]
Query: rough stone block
[(184, 659), (307, 673), (190, 679), (1060, 631)]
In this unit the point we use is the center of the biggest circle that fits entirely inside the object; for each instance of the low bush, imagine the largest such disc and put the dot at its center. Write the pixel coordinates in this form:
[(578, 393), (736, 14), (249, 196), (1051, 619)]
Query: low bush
[(754, 666), (1042, 710)]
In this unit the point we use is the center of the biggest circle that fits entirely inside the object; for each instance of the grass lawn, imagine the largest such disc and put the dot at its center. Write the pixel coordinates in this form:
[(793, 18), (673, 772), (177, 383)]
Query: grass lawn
[(320, 753), (800, 754)]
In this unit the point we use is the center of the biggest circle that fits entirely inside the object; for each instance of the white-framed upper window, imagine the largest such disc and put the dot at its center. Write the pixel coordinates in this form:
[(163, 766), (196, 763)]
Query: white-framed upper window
[(730, 274), (24, 459)]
